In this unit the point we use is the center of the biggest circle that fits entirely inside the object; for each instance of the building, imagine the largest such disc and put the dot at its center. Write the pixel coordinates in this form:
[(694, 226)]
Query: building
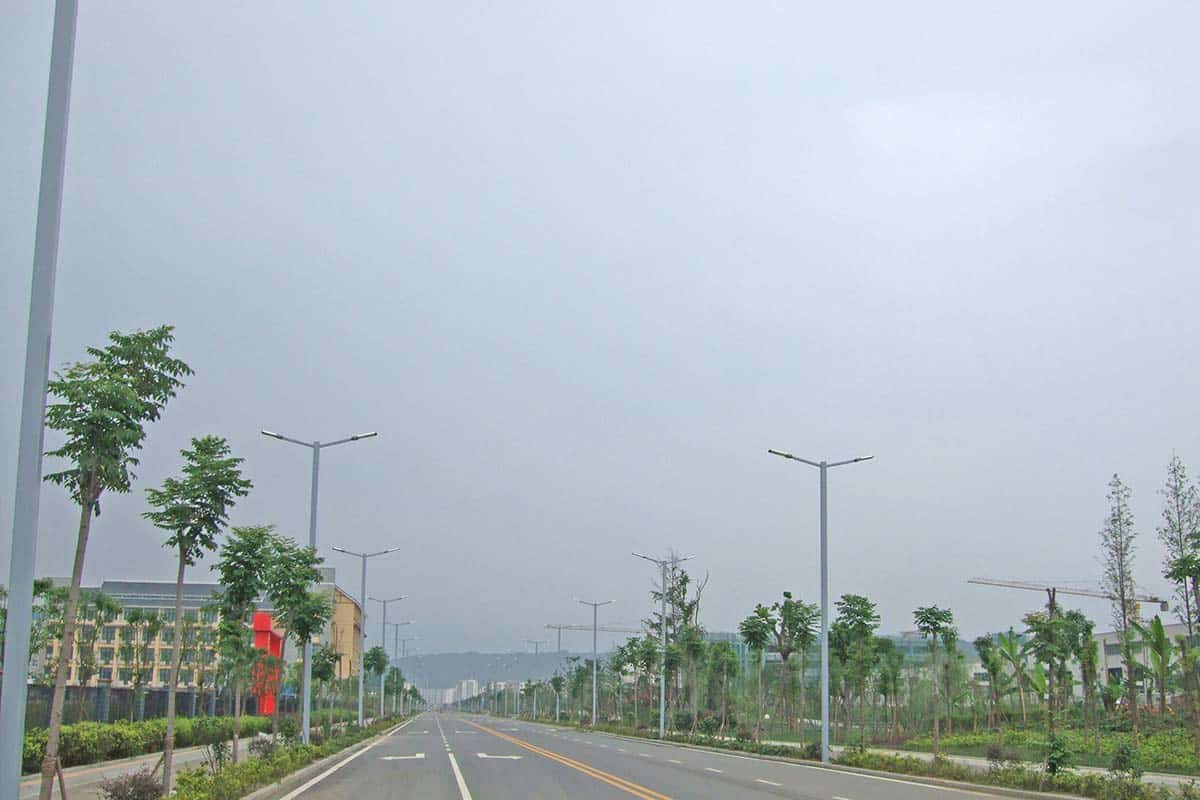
[(467, 689), (121, 651)]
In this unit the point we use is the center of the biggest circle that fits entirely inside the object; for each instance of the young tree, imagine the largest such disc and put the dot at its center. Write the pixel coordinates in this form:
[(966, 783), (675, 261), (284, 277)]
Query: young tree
[(1049, 644), (795, 631), (193, 509), (375, 662), (1180, 536), (325, 660), (993, 665), (891, 667), (101, 407), (1158, 644), (934, 624), (288, 573), (856, 623), (1116, 554), (756, 631), (695, 650), (1013, 653), (723, 662)]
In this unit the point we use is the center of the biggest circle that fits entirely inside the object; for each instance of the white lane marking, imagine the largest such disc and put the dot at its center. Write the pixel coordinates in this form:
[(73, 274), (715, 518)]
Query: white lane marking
[(710, 769), (510, 758), (645, 755), (622, 750), (768, 783), (677, 761), (401, 758), (292, 795), (839, 797), (458, 776)]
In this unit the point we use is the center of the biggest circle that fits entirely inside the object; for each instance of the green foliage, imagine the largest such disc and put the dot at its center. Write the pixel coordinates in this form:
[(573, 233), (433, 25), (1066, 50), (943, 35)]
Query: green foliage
[(140, 785), (376, 660), (1058, 756), (1127, 760), (91, 742)]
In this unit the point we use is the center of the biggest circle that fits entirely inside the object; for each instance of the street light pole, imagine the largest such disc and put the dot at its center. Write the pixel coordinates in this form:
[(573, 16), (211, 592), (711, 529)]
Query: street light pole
[(362, 632), (663, 563), (824, 467), (383, 643), (23, 558), (595, 658), (537, 643), (306, 681)]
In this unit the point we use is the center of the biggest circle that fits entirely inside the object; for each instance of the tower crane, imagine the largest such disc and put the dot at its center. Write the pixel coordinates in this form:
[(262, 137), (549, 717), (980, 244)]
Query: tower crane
[(1052, 591), (601, 628)]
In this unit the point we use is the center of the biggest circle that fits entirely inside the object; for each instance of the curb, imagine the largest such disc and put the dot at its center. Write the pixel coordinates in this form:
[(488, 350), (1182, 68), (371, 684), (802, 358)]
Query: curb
[(300, 776)]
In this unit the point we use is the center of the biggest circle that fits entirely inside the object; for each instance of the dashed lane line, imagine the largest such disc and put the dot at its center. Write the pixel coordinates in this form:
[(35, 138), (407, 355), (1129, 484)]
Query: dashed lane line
[(768, 783)]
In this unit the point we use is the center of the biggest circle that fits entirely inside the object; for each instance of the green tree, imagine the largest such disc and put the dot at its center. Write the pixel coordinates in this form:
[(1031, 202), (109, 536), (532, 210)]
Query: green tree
[(1013, 653), (891, 667), (288, 572), (243, 558), (375, 661), (142, 625), (993, 664), (1158, 644), (101, 408), (934, 624), (723, 662), (193, 509), (756, 631), (695, 651), (1179, 533), (1116, 554), (795, 631), (1049, 644), (96, 609), (325, 660), (856, 623)]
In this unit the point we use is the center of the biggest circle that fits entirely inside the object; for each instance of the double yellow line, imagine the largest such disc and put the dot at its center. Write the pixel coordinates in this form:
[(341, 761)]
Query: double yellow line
[(612, 780)]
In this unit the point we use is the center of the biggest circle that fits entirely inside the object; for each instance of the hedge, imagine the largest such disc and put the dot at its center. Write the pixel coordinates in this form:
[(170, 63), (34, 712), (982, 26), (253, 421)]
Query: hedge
[(238, 780), (91, 742)]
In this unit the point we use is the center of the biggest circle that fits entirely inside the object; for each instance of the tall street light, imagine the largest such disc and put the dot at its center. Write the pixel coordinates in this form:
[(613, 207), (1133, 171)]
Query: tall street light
[(824, 467), (23, 550), (396, 640), (362, 604), (306, 682), (663, 564), (595, 661), (383, 641), (537, 643)]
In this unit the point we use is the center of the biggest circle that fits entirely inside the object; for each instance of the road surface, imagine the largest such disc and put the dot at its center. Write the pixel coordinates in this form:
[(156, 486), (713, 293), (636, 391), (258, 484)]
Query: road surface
[(465, 757)]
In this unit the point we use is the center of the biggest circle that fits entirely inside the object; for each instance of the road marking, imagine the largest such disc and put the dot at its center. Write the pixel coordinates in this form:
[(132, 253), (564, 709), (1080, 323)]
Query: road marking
[(627, 786), (839, 797), (710, 769), (292, 795), (510, 758), (645, 755), (768, 783), (401, 758), (463, 791), (677, 761)]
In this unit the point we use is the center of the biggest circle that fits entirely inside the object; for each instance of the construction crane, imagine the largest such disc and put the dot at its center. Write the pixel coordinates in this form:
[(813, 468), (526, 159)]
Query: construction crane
[(1052, 592), (601, 628)]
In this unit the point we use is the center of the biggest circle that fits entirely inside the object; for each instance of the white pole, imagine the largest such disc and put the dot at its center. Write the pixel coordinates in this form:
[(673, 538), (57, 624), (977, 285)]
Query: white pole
[(306, 680), (824, 619), (362, 667), (23, 558)]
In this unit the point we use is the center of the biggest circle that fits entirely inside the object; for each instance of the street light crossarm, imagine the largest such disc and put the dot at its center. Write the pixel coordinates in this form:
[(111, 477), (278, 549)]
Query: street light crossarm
[(791, 457), (388, 600), (282, 438), (356, 437), (850, 461), (381, 552)]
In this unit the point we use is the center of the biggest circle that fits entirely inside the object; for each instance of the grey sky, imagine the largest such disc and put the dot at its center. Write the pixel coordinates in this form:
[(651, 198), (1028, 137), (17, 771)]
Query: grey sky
[(580, 266)]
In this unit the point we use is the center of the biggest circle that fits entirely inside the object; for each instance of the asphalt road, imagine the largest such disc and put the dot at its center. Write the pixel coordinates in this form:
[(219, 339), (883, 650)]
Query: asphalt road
[(463, 757)]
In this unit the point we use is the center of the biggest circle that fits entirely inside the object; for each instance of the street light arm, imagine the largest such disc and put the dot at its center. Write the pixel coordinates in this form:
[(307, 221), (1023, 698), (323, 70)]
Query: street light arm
[(356, 437), (347, 552), (791, 457), (389, 600), (850, 461), (283, 438), (381, 552)]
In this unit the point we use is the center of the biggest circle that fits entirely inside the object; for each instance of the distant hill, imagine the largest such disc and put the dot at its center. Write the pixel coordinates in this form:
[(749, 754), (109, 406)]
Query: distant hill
[(445, 670)]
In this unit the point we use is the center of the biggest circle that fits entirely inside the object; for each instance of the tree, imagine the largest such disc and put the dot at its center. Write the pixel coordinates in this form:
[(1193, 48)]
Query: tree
[(241, 565), (1180, 536), (934, 624), (1156, 641), (141, 626), (375, 661), (193, 509), (723, 662), (1049, 645), (756, 631), (1116, 554), (856, 623), (96, 609), (288, 572), (325, 660), (993, 665), (1013, 653), (694, 649), (101, 409), (795, 631)]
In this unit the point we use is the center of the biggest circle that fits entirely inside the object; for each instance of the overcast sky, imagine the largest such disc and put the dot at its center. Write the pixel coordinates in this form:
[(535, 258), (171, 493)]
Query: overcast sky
[(582, 264)]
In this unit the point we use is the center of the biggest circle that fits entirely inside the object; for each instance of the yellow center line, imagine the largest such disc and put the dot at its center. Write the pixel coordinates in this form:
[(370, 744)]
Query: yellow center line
[(630, 787)]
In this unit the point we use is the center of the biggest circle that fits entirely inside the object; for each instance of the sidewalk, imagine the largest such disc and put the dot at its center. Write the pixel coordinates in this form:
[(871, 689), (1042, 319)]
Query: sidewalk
[(83, 782), (982, 764)]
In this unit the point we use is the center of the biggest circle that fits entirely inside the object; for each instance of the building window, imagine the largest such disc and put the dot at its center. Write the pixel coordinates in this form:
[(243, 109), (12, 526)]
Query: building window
[(49, 651), (207, 657), (191, 615), (164, 676), (106, 673), (185, 676), (167, 636), (165, 655), (167, 614), (109, 634), (209, 615), (106, 655), (1112, 649)]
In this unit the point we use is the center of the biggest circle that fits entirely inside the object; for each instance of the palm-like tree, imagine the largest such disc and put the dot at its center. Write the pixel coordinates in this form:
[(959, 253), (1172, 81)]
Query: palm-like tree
[(1158, 644), (1013, 653), (935, 624), (755, 631)]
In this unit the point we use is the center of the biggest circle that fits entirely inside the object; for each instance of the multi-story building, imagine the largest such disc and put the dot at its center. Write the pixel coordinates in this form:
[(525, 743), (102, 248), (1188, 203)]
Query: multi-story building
[(122, 649)]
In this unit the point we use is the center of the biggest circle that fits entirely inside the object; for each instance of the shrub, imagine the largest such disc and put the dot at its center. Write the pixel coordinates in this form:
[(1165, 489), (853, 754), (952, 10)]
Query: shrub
[(1058, 757), (140, 785), (709, 726), (1126, 761)]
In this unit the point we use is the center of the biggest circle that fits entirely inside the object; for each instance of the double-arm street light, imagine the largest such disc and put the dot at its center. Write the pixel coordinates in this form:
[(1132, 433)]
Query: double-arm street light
[(397, 642), (362, 604), (824, 467), (306, 682), (595, 661), (383, 641), (663, 564)]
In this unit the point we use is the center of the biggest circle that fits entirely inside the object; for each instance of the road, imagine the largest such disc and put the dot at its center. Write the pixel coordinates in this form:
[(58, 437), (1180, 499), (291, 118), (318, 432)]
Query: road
[(463, 757)]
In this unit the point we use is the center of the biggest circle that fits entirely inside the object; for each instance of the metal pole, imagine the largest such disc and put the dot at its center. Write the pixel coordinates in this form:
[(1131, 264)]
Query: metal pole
[(383, 642), (594, 664), (23, 558), (362, 671), (824, 619), (306, 682), (662, 680)]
